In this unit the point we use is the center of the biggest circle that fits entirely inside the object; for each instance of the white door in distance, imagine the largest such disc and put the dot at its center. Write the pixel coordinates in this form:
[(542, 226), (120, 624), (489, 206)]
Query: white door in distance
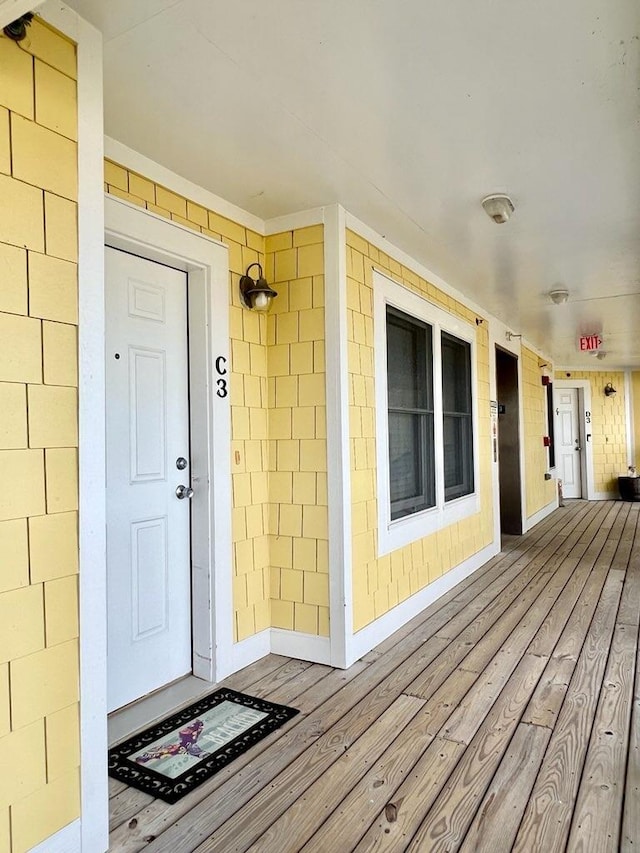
[(568, 449)]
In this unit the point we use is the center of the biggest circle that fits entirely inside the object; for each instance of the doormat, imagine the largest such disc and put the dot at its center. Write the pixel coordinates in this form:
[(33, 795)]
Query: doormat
[(173, 757)]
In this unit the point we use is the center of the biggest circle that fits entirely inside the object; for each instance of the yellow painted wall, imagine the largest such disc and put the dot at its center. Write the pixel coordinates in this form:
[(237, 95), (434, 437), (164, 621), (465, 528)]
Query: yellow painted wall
[(297, 432), (635, 391), (539, 492), (39, 728), (608, 426), (380, 583)]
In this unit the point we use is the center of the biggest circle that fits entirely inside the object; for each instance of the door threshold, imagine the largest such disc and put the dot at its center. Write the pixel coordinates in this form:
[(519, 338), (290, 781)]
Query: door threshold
[(155, 706)]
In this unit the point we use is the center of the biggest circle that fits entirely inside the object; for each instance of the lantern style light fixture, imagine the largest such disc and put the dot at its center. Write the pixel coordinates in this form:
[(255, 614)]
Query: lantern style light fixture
[(17, 30), (609, 390), (256, 293)]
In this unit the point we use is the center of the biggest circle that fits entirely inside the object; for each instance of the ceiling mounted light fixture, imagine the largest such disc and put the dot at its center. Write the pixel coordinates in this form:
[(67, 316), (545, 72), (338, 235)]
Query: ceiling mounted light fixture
[(498, 207), (256, 293), (559, 295)]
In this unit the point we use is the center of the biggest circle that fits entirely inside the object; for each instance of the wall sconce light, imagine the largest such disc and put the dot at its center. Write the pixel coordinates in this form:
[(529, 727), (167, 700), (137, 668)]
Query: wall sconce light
[(609, 390), (544, 374), (256, 293), (17, 30)]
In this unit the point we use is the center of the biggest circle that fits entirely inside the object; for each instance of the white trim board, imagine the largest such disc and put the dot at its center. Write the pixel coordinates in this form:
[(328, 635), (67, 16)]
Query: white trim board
[(66, 840), (338, 448), (374, 633), (522, 444), (541, 514), (291, 221), (130, 159), (250, 650), (206, 263), (295, 644), (604, 496), (93, 826), (628, 418)]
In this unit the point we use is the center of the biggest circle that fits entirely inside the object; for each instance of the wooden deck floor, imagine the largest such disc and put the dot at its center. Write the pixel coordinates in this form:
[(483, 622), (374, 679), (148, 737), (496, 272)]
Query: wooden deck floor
[(506, 717)]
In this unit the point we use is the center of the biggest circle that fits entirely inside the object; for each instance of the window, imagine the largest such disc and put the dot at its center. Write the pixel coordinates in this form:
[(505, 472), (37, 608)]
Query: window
[(456, 412), (425, 416), (550, 426), (410, 395)]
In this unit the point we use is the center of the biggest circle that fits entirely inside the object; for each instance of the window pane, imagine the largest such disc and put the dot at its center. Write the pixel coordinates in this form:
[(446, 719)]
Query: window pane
[(552, 446), (458, 460), (457, 422), (411, 474), (409, 377), (456, 379), (410, 413)]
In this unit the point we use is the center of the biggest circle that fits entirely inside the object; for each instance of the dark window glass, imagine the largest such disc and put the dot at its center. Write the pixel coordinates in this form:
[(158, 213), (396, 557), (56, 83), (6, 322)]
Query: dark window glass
[(457, 417), (552, 438), (410, 412)]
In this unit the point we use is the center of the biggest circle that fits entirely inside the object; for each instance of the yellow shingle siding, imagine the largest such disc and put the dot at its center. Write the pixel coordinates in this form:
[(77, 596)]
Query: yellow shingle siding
[(380, 583), (297, 432), (39, 791), (539, 492), (608, 426)]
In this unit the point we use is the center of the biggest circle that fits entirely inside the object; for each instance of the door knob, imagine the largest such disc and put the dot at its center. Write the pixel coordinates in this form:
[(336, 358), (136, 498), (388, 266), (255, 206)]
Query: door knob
[(183, 492)]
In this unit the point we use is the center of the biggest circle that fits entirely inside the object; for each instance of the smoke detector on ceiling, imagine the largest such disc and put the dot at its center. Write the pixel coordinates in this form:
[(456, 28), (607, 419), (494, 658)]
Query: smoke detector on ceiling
[(498, 207)]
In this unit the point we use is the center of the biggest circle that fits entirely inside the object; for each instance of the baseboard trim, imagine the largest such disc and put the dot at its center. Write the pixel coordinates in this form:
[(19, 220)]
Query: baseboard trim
[(373, 634), (539, 516), (67, 840), (247, 652), (295, 644), (605, 496)]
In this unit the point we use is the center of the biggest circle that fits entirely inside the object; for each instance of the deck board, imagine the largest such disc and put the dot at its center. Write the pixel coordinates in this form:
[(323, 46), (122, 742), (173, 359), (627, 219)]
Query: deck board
[(505, 716)]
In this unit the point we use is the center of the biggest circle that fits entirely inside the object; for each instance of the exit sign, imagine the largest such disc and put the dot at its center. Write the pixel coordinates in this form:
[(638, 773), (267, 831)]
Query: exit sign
[(589, 343)]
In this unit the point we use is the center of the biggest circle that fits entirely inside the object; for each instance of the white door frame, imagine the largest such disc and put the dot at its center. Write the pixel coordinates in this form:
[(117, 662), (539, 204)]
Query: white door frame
[(206, 263), (585, 424)]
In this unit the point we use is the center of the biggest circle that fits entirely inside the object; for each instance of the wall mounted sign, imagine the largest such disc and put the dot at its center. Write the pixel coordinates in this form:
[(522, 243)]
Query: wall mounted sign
[(588, 343)]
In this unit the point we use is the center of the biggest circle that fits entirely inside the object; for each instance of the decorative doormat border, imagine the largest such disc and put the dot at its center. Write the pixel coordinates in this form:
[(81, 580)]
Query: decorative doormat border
[(171, 758)]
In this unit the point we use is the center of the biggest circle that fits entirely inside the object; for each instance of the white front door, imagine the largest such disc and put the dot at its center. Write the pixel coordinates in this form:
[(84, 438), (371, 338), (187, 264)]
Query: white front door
[(568, 449), (148, 526)]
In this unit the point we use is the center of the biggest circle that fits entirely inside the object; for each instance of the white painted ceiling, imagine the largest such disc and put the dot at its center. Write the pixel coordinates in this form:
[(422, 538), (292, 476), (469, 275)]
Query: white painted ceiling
[(408, 112)]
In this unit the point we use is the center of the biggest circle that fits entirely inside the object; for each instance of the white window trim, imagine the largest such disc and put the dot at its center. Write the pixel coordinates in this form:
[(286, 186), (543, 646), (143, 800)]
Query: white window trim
[(395, 534)]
